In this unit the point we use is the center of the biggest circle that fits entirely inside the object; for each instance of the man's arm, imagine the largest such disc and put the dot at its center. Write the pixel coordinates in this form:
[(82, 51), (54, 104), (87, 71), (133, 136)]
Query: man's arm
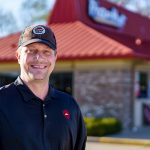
[(81, 135)]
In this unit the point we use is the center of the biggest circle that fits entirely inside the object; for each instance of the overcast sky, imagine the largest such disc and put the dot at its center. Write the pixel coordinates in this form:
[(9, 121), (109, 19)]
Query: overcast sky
[(14, 5)]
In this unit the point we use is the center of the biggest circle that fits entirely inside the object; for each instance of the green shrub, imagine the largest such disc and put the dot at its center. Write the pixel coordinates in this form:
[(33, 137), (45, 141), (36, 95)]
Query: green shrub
[(102, 126)]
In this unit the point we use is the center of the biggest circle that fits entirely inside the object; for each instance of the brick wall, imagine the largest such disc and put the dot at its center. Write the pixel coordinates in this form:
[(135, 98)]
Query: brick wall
[(105, 93)]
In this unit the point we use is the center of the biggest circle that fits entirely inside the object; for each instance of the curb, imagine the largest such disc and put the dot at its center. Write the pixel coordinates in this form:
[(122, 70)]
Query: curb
[(128, 141)]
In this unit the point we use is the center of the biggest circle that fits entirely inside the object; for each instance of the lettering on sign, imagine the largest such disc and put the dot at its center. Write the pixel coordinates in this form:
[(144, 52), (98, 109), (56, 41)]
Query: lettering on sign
[(106, 16)]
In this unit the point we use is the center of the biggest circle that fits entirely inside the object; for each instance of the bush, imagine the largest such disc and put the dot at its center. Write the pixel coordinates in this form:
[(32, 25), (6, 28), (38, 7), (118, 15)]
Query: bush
[(102, 126)]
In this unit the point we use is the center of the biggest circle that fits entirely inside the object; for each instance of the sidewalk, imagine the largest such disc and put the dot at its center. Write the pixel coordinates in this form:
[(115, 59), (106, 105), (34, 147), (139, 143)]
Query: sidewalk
[(139, 136)]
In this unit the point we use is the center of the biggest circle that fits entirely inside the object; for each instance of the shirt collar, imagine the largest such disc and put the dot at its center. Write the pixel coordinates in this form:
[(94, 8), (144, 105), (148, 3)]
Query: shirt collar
[(28, 94)]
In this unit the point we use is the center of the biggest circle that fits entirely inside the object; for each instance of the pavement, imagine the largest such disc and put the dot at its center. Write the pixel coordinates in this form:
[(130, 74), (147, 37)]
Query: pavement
[(136, 136)]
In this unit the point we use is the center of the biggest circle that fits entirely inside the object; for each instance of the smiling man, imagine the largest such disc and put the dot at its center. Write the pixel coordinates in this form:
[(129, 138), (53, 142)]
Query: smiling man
[(33, 114)]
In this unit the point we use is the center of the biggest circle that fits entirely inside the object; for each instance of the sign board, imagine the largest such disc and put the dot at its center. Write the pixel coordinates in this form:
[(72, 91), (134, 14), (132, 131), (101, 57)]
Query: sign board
[(106, 16)]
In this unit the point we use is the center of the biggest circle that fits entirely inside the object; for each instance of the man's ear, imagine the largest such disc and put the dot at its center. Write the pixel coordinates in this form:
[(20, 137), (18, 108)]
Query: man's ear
[(17, 55), (55, 55)]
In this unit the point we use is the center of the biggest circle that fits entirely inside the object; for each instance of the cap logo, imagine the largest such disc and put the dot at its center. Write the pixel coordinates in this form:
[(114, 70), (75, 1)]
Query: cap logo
[(38, 30)]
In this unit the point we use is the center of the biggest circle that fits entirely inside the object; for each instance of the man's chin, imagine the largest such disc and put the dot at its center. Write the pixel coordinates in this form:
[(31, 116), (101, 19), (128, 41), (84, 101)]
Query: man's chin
[(38, 79), (35, 78)]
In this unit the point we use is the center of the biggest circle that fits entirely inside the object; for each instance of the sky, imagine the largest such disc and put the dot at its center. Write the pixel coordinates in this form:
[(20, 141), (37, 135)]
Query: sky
[(10, 5), (13, 6)]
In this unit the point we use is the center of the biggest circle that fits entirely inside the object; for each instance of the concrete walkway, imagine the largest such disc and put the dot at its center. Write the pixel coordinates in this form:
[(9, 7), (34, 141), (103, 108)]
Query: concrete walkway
[(136, 133), (139, 136)]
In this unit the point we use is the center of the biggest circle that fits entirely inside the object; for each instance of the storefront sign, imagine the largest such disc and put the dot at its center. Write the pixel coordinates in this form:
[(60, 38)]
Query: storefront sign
[(102, 15)]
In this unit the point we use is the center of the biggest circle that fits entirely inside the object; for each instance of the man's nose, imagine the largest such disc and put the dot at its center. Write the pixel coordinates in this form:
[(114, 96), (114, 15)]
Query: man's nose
[(38, 56)]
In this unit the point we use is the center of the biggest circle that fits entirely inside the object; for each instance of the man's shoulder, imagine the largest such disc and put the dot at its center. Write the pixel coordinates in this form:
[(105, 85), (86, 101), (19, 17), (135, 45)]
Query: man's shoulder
[(6, 89)]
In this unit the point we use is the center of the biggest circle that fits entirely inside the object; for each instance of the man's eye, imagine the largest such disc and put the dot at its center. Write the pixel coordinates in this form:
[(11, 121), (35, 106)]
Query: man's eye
[(30, 51), (47, 52)]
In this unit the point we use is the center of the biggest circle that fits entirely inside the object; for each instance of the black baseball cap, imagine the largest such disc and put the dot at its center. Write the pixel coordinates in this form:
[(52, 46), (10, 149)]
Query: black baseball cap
[(38, 33)]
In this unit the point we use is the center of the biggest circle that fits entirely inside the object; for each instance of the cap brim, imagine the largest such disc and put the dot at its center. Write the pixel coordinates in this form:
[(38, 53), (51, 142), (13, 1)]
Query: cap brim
[(38, 41)]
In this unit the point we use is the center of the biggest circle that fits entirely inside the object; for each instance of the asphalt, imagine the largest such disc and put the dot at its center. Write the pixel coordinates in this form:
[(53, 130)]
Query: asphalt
[(136, 136)]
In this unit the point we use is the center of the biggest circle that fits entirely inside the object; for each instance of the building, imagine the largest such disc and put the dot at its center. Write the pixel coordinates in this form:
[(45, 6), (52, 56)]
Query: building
[(104, 65)]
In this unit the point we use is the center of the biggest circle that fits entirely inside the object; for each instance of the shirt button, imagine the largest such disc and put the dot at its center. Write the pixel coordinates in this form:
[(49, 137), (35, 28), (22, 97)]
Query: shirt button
[(43, 105), (45, 116)]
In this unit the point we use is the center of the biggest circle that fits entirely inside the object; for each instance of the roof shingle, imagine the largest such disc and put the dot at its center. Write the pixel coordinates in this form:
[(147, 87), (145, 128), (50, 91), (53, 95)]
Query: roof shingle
[(75, 41)]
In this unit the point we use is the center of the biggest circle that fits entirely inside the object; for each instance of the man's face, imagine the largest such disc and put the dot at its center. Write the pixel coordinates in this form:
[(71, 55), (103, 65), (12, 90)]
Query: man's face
[(36, 61)]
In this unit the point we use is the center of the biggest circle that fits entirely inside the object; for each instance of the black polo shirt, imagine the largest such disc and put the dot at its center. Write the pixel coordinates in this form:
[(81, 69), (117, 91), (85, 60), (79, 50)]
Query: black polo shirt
[(28, 123)]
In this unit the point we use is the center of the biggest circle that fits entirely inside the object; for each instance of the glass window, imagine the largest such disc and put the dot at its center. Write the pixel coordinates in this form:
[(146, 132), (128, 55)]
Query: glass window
[(7, 78), (141, 85), (146, 114), (62, 81)]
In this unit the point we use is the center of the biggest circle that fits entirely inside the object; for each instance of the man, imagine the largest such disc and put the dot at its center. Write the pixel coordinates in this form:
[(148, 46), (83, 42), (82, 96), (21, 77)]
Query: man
[(34, 115)]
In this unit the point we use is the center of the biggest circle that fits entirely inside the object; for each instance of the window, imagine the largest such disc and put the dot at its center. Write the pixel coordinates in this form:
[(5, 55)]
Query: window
[(7, 78), (146, 114), (141, 85), (62, 81)]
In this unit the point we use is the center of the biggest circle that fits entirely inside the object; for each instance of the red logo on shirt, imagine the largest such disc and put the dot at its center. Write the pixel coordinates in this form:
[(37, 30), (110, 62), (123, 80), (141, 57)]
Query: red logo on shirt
[(66, 113)]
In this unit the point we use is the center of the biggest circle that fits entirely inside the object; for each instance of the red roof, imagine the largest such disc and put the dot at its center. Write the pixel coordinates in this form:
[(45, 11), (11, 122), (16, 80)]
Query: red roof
[(8, 46), (136, 27), (75, 41), (79, 41), (73, 10), (65, 11)]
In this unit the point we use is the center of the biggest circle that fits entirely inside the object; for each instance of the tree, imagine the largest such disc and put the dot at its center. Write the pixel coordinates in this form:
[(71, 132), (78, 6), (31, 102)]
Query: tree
[(138, 6), (34, 11), (28, 12), (120, 2), (7, 23)]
